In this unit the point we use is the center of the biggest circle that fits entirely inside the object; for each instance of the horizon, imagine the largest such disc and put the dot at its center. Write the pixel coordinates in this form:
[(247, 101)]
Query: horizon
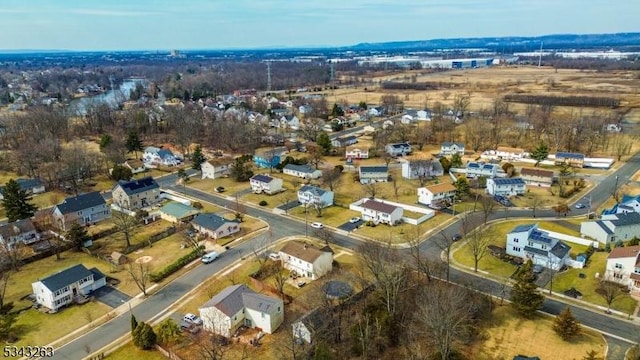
[(161, 25)]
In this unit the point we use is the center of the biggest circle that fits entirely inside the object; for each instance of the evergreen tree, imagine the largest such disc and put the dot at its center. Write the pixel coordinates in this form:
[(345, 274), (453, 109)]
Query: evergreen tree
[(540, 153), (241, 168), (136, 334), (168, 331), (525, 297), (362, 105), (105, 140), (446, 164), (134, 323), (197, 158), (147, 337), (462, 187), (133, 142), (78, 235), (566, 325), (593, 355), (16, 202), (456, 161), (324, 142), (121, 172), (336, 110)]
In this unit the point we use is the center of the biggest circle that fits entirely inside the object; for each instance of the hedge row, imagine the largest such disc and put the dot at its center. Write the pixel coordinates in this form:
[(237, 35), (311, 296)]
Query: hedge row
[(176, 265)]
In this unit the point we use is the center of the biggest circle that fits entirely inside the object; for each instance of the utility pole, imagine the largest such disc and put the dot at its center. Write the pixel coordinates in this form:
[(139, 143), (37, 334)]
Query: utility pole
[(268, 76)]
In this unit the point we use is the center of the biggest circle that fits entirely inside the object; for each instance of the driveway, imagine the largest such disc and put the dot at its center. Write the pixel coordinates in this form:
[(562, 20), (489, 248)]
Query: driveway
[(350, 226), (290, 205), (111, 296)]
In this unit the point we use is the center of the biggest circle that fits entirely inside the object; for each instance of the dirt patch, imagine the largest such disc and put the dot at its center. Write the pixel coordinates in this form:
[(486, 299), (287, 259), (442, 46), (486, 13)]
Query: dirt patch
[(144, 259)]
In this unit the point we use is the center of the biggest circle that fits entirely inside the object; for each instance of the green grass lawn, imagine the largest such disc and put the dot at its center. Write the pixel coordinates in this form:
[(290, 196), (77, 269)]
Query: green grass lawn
[(163, 252), (404, 232), (140, 233), (332, 215), (131, 352), (587, 286), (208, 185)]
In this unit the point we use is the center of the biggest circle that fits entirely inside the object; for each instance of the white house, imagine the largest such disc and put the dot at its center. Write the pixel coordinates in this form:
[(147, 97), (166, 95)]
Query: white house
[(627, 204), (613, 127), (450, 148), (31, 186), (290, 121), (265, 184), (301, 171), (612, 228), (355, 153), (436, 195), (537, 177), (67, 286), (344, 141), (506, 186), (623, 267), (417, 168), (306, 327), (369, 174), (306, 260), (136, 166), (214, 226), (238, 305), (305, 109), (531, 243), (379, 212), (476, 170), (84, 209), (376, 111), (20, 231), (315, 196), (157, 156), (398, 149), (510, 153), (136, 194), (216, 168)]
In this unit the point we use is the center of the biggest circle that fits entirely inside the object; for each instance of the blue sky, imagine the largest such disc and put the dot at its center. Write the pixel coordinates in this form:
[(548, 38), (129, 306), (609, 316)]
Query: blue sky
[(224, 24)]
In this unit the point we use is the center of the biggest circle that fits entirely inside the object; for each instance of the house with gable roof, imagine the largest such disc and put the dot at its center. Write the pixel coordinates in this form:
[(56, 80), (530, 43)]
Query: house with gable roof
[(370, 174), (628, 204), (31, 186), (306, 260), (356, 153), (158, 156), (136, 194), (532, 243), (84, 209), (216, 168), (214, 226), (450, 148), (312, 195), (537, 177), (263, 183), (20, 231), (437, 195), (571, 159), (380, 212), (489, 171), (238, 305), (176, 212), (506, 186), (623, 267), (612, 228), (416, 168), (398, 149), (67, 286), (301, 171)]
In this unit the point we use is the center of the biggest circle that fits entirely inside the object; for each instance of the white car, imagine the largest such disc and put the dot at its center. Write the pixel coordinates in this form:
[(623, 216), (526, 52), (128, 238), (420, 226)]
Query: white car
[(192, 319), (354, 220), (317, 225), (274, 256)]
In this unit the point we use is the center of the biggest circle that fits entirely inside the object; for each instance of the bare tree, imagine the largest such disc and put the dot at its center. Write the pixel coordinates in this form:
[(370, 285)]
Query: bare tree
[(319, 207), (140, 274), (371, 189), (420, 261), (124, 223), (14, 252), (396, 187), (488, 206), (535, 203), (280, 276), (477, 240), (324, 234), (609, 290), (316, 157), (193, 242), (331, 177), (622, 145), (285, 198), (211, 347), (5, 275), (444, 243)]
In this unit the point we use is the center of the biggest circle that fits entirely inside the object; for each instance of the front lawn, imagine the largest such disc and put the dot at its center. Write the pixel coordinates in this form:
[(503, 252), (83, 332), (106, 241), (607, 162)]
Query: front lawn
[(131, 352), (208, 185)]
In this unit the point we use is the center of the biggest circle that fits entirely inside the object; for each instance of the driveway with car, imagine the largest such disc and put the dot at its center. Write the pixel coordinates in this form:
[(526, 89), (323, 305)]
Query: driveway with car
[(350, 226)]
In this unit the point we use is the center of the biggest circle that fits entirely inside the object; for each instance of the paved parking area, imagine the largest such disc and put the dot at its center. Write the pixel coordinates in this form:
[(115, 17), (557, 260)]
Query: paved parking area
[(290, 205), (350, 226), (111, 296)]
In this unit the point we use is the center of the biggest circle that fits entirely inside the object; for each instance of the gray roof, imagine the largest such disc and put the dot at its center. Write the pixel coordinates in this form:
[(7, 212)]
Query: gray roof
[(209, 221), (568, 155), (69, 276), (316, 191), (604, 227), (376, 169), (449, 144), (16, 228), (137, 186), (625, 219), (522, 228), (28, 184), (560, 250), (535, 250), (236, 297), (80, 202), (259, 302), (300, 168), (262, 178)]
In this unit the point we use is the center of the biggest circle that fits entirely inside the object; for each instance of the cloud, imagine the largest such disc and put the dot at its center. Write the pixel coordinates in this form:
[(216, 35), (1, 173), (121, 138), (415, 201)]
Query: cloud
[(113, 13)]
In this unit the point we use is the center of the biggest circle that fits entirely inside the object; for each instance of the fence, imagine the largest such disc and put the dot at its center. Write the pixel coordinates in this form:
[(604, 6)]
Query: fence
[(572, 239), (427, 213), (153, 238), (168, 353)]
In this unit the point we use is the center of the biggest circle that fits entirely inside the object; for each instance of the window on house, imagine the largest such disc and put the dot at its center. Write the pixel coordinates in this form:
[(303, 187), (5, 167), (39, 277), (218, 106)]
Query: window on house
[(262, 315), (618, 266), (515, 240), (544, 247), (618, 276), (530, 243)]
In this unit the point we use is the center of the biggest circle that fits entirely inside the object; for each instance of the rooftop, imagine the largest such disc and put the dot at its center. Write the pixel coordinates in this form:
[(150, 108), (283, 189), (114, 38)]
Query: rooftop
[(508, 181), (441, 188), (316, 191), (137, 186), (376, 169), (66, 277), (379, 206), (568, 155), (536, 172), (302, 251), (179, 210), (624, 252), (523, 228), (262, 178), (300, 168), (209, 221), (81, 202)]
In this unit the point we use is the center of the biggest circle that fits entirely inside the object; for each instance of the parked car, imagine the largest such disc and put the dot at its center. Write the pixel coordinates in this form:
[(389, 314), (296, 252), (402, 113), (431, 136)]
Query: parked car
[(192, 319), (354, 220), (456, 237), (220, 189), (317, 225), (208, 258), (537, 269), (580, 206), (187, 326)]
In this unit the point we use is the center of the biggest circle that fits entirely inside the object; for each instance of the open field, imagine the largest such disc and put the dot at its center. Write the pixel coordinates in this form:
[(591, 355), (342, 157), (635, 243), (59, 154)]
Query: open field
[(509, 335)]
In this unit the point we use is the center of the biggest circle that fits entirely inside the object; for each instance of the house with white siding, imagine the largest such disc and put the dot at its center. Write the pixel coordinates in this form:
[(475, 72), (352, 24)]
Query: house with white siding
[(356, 153), (238, 305), (506, 186), (489, 171), (157, 156), (314, 196), (537, 177), (18, 232), (623, 267), (84, 209), (398, 149), (418, 168), (571, 159), (306, 260), (628, 204), (437, 196), (344, 141), (370, 174), (67, 286), (612, 228), (379, 212), (136, 194), (216, 168), (451, 148), (214, 226), (263, 183), (302, 171), (529, 242)]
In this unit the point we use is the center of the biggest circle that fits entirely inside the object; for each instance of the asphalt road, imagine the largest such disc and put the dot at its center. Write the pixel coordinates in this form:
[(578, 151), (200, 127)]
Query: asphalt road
[(165, 297)]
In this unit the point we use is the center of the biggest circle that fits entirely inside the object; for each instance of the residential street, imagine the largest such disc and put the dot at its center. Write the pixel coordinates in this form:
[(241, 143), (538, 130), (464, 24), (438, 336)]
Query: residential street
[(282, 226)]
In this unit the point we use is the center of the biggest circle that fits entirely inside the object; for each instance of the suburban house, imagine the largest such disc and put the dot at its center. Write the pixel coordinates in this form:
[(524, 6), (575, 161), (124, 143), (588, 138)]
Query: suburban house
[(307, 326), (623, 267), (537, 177), (306, 260), (412, 115), (355, 153), (216, 168), (627, 204), (436, 196), (532, 243), (305, 109), (84, 209), (369, 174), (506, 186), (158, 156), (176, 212), (476, 170), (417, 168), (376, 111), (266, 159), (290, 121), (238, 305), (301, 171), (399, 149), (344, 141), (571, 159), (31, 186), (214, 226), (510, 153), (67, 286), (612, 228), (21, 231), (450, 148), (263, 183), (315, 196), (136, 194), (136, 166), (379, 212)]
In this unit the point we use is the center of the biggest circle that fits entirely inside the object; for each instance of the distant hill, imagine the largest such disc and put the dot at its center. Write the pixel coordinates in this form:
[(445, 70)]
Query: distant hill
[(510, 43)]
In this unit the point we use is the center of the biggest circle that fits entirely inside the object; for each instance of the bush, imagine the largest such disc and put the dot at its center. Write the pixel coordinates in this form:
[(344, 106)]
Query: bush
[(263, 203), (176, 265)]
